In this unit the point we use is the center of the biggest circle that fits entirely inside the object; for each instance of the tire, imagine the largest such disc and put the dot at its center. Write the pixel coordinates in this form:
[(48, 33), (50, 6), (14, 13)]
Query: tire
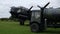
[(35, 27)]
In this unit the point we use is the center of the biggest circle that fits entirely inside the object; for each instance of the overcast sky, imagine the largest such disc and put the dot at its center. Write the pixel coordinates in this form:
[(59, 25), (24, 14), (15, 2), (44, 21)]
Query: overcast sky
[(6, 4)]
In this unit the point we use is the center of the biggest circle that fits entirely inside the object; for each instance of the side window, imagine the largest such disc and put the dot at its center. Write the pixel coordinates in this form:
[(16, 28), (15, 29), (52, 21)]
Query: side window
[(37, 14), (33, 14)]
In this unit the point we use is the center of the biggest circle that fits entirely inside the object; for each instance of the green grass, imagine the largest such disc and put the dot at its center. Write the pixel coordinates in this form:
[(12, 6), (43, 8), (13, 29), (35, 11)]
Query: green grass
[(11, 27)]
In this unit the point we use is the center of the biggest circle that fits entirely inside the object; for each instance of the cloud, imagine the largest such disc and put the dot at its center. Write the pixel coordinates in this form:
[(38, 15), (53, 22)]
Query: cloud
[(6, 4)]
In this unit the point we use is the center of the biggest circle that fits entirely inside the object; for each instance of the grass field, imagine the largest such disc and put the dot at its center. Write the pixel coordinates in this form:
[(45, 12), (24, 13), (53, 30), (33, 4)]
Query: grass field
[(11, 27)]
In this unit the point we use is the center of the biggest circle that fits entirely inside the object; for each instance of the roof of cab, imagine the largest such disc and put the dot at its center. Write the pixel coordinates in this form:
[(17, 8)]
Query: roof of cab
[(35, 10)]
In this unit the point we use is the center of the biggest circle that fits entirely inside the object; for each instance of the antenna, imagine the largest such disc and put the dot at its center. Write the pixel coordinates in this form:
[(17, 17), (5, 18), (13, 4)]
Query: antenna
[(39, 6), (30, 8), (44, 6)]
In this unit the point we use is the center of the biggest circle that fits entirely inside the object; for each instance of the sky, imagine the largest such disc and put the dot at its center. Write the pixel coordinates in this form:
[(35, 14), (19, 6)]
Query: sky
[(5, 5)]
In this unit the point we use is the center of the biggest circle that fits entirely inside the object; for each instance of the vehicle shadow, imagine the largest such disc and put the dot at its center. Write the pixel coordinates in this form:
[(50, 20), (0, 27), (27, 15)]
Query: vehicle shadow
[(55, 31), (49, 30)]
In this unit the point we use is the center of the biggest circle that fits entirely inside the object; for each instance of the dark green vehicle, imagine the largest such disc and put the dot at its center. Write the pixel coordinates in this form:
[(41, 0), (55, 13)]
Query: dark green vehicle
[(46, 17), (41, 19), (37, 22)]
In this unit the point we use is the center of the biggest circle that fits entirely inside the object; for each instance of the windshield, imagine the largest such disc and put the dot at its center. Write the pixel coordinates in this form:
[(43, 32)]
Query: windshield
[(36, 14)]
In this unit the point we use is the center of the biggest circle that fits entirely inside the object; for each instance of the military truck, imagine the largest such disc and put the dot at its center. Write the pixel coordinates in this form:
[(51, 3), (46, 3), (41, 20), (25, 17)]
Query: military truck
[(43, 18)]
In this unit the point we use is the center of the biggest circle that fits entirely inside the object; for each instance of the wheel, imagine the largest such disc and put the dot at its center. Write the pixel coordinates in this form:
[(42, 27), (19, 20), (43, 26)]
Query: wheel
[(35, 27)]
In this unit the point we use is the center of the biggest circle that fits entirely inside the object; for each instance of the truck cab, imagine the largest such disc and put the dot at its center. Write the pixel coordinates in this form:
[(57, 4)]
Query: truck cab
[(35, 23), (38, 22), (35, 16)]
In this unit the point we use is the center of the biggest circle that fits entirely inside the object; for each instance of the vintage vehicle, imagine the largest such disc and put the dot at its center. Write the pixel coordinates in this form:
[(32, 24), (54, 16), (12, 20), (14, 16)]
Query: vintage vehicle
[(21, 13), (39, 19), (43, 18)]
